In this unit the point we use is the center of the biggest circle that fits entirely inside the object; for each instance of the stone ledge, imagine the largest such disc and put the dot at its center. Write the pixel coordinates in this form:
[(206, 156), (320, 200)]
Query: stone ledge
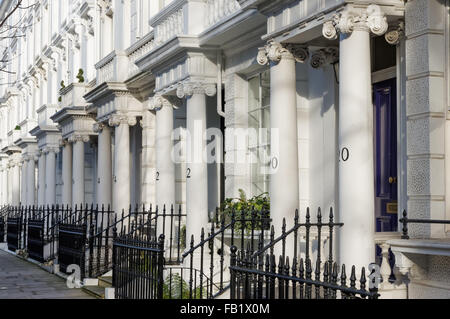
[(439, 247)]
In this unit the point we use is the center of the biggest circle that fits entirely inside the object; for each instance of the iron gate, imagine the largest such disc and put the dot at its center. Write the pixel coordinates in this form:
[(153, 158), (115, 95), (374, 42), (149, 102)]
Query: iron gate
[(72, 247), (36, 240), (13, 233), (138, 265)]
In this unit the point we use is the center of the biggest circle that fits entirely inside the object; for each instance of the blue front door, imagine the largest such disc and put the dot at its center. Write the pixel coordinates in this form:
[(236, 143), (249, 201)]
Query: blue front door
[(385, 143)]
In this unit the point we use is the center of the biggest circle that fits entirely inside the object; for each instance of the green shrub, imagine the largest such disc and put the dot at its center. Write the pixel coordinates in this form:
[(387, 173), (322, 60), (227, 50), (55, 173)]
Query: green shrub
[(244, 207), (176, 288)]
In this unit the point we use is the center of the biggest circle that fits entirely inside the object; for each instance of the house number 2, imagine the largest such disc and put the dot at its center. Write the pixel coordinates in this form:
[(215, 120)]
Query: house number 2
[(188, 175), (157, 176)]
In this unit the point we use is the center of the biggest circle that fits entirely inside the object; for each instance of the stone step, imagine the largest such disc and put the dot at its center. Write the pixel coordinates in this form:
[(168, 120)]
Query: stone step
[(105, 281), (95, 291)]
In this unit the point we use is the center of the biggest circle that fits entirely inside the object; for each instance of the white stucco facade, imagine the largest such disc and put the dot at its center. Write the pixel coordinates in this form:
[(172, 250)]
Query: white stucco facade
[(157, 74)]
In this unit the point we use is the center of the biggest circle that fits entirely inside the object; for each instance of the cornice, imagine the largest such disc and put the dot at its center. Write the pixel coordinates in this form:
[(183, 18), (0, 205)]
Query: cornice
[(106, 89), (69, 112)]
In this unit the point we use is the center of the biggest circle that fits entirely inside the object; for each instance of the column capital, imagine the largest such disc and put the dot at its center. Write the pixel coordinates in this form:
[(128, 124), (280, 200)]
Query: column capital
[(187, 89), (15, 162), (98, 127), (27, 157), (372, 19), (79, 138), (159, 101), (63, 142), (275, 51), (50, 149), (395, 33), (323, 57), (118, 119)]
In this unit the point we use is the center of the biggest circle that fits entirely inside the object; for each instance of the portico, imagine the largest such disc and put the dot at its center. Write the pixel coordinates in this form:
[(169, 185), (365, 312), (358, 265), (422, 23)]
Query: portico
[(76, 127)]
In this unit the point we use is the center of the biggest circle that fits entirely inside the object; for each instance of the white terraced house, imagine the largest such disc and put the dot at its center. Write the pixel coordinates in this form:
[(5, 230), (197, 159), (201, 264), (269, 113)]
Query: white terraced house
[(319, 103)]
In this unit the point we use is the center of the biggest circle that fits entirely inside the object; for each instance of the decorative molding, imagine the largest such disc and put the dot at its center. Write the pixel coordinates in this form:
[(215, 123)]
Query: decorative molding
[(274, 51), (394, 35), (324, 57), (189, 88), (372, 19)]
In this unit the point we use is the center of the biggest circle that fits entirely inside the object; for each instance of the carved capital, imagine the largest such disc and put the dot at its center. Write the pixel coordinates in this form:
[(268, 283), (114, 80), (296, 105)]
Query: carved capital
[(274, 51), (324, 57), (190, 88), (118, 119), (62, 142), (372, 19), (98, 127), (26, 158), (394, 34), (157, 102), (50, 149), (79, 138)]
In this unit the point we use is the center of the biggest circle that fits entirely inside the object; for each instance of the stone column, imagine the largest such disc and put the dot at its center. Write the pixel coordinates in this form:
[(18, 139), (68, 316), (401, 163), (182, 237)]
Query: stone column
[(41, 178), (15, 179), (104, 166), (3, 185), (23, 181), (50, 175), (165, 166), (31, 181), (78, 141), (122, 186), (284, 178), (356, 166), (196, 164), (8, 182), (67, 173)]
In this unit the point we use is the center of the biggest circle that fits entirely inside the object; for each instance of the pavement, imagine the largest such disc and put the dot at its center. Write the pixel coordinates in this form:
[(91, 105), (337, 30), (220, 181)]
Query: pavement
[(20, 279)]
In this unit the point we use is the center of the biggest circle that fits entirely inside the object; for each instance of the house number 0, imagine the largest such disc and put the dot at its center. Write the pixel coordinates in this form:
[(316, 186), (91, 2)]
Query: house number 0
[(344, 155), (274, 163)]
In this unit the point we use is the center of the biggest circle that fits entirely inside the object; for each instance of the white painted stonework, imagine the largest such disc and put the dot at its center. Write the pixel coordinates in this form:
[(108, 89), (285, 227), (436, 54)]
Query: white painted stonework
[(109, 102)]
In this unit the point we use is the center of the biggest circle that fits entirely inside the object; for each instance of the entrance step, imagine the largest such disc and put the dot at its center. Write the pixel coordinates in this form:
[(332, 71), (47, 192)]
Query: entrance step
[(105, 281), (95, 291), (98, 291)]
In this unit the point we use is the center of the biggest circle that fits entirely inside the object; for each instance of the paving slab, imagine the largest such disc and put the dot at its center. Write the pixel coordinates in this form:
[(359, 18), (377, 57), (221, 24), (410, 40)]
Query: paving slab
[(20, 279)]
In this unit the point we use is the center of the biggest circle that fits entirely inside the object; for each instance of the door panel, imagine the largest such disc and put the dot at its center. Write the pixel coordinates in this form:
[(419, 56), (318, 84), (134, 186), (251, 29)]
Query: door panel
[(385, 143)]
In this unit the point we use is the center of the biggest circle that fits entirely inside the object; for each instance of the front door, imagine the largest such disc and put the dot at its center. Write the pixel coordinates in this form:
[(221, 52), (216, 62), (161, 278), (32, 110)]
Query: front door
[(385, 143)]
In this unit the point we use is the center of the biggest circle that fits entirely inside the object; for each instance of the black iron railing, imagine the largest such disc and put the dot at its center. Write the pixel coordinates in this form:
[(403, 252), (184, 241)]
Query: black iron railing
[(260, 277), (405, 221), (208, 268), (305, 230)]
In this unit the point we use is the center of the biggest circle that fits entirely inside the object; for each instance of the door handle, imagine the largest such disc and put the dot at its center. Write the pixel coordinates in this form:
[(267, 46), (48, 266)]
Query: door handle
[(392, 180)]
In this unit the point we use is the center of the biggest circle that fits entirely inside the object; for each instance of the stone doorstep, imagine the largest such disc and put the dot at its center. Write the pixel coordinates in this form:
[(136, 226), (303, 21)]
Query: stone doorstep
[(105, 281), (95, 291), (99, 288)]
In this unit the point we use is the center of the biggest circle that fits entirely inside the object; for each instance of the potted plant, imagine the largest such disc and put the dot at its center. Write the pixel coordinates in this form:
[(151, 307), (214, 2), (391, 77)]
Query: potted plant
[(80, 76)]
